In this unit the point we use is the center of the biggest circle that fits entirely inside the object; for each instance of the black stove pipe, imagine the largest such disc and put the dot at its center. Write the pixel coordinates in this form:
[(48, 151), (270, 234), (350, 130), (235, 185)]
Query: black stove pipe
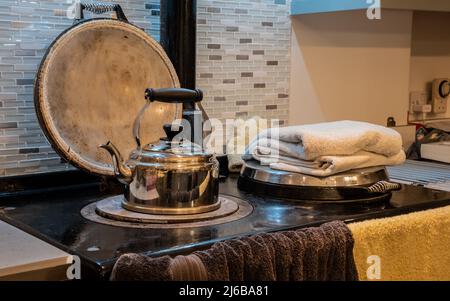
[(178, 38)]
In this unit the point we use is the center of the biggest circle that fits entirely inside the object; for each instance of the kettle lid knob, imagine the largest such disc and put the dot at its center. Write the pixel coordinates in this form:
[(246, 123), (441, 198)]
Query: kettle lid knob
[(171, 133)]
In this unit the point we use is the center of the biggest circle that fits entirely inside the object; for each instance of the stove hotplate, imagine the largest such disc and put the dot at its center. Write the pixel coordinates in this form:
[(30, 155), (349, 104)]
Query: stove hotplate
[(56, 218), (110, 211)]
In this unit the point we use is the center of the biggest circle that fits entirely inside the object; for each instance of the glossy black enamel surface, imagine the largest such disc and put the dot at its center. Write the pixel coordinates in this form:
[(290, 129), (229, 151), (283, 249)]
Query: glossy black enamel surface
[(56, 218)]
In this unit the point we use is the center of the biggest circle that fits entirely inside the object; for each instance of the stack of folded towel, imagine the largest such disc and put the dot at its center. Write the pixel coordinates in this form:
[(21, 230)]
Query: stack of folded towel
[(327, 148)]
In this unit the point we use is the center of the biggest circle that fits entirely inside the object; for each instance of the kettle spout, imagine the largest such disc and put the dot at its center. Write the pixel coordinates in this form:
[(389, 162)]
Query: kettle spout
[(123, 173)]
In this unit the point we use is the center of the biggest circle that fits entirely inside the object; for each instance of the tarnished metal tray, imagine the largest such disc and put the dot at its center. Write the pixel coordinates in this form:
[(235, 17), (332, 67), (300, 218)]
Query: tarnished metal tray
[(91, 85)]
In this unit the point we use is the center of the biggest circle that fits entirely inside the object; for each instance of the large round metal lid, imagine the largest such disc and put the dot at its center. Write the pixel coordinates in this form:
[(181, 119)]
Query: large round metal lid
[(363, 186), (91, 86)]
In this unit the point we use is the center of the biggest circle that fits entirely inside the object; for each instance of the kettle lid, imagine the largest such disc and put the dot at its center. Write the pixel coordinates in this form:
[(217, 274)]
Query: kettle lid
[(173, 152)]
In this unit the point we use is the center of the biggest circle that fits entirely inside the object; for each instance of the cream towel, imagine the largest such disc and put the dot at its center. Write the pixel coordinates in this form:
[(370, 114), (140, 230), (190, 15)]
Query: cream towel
[(285, 156), (243, 133), (411, 247), (337, 139)]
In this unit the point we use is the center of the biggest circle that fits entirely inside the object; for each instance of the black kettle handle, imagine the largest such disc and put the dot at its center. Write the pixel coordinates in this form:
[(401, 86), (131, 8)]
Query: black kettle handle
[(174, 95), (100, 8), (167, 95)]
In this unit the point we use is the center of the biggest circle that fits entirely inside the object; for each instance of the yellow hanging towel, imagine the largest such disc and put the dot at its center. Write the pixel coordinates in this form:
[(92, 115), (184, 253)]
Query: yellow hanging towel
[(409, 247)]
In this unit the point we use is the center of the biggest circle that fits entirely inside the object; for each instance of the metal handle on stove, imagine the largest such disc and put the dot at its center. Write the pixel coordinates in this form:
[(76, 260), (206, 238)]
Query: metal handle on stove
[(383, 187)]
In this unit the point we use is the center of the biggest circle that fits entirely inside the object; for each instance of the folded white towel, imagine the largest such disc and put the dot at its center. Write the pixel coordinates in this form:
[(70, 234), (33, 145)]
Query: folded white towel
[(327, 149), (336, 138), (326, 165)]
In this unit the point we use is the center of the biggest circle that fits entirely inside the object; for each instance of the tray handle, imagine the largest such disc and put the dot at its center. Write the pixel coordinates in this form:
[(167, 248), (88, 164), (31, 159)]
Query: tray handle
[(100, 8)]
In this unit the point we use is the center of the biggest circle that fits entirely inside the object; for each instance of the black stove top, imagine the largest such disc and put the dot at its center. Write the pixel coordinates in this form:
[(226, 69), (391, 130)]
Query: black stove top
[(55, 217)]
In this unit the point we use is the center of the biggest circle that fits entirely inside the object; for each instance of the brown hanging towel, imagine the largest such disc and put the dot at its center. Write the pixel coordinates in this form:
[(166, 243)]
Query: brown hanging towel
[(312, 254)]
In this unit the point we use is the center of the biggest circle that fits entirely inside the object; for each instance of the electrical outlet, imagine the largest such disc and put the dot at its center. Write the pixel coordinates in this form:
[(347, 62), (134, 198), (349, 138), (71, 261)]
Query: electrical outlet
[(418, 98), (440, 95), (422, 109)]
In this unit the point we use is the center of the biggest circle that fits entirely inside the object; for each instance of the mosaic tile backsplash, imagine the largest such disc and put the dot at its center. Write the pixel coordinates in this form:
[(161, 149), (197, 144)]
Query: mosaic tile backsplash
[(243, 66), (243, 57)]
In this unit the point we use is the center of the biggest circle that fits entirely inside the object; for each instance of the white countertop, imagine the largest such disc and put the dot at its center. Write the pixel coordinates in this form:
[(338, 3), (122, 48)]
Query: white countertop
[(24, 254)]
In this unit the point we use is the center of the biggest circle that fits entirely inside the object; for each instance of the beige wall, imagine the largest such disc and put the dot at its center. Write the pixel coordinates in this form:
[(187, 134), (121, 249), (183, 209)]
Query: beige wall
[(430, 53), (345, 66)]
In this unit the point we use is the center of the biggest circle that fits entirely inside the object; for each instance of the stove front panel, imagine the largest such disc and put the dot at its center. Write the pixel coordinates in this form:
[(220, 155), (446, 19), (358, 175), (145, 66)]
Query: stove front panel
[(57, 219)]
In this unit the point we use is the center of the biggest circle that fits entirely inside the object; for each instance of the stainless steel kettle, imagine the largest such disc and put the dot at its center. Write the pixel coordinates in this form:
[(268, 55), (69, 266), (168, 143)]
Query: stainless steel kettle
[(174, 176)]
